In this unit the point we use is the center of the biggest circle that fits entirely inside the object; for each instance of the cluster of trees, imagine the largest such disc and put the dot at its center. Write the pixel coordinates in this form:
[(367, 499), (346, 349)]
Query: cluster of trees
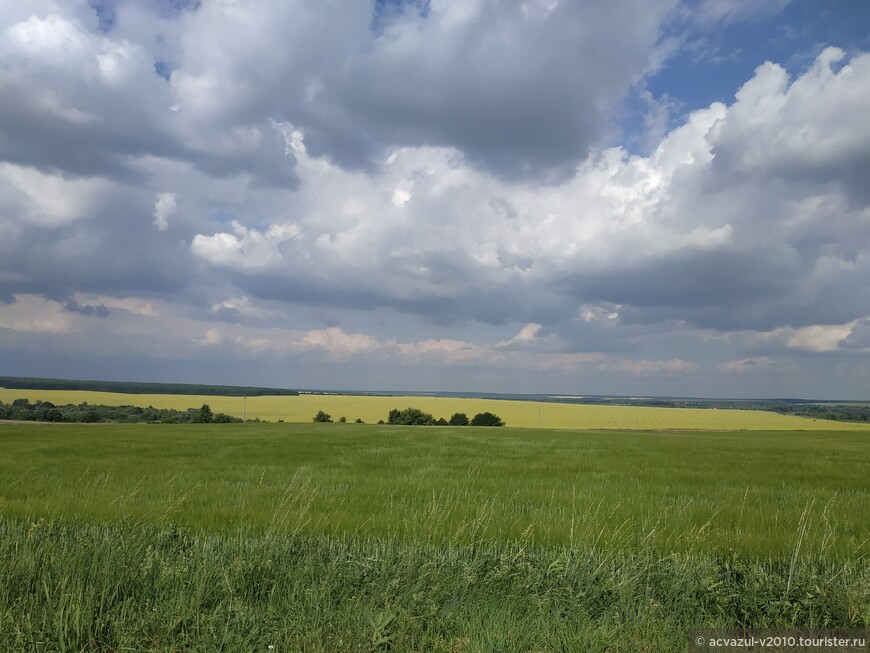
[(326, 417), (416, 417), (45, 411), (322, 417)]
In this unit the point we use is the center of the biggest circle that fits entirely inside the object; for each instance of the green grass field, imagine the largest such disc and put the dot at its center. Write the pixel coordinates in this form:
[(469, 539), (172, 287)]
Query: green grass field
[(523, 414), (746, 491), (340, 537)]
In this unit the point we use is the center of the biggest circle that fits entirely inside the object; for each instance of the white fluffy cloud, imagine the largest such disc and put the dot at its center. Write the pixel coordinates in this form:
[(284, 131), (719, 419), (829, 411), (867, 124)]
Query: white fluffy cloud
[(430, 185), (47, 200), (165, 208), (645, 232)]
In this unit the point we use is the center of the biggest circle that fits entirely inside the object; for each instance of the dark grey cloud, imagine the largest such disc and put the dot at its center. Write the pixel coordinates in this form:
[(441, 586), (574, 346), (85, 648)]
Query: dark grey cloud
[(98, 310), (519, 91), (115, 251), (494, 306), (109, 142), (726, 279)]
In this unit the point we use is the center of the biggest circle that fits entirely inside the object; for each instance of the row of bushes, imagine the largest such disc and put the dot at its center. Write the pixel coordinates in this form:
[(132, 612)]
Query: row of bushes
[(416, 417), (45, 411)]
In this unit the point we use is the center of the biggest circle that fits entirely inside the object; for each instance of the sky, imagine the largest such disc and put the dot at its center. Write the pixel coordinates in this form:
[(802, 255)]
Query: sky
[(637, 197)]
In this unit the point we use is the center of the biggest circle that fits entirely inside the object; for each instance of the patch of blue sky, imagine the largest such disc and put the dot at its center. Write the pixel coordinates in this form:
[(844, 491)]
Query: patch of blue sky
[(169, 8), (163, 69), (387, 10), (105, 10), (715, 60)]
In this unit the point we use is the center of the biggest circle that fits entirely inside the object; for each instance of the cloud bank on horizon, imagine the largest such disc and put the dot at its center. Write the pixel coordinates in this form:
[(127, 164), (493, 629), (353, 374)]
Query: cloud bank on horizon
[(666, 197)]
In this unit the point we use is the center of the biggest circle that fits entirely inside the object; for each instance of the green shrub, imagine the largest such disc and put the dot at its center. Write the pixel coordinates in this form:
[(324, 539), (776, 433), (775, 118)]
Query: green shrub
[(459, 419), (486, 419), (410, 417)]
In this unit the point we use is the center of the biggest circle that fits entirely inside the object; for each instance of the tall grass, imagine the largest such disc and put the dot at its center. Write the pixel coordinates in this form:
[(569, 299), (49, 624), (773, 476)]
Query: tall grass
[(72, 586)]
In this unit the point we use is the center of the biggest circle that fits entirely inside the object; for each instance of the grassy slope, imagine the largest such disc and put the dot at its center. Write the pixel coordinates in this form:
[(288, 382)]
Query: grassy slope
[(343, 537), (515, 413)]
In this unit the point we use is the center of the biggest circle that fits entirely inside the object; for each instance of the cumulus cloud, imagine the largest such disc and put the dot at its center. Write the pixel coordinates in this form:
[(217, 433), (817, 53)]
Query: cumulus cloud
[(673, 234), (526, 335), (513, 87), (211, 337), (47, 200), (90, 103), (806, 129), (338, 343), (235, 308), (31, 313), (244, 249), (165, 208), (815, 338)]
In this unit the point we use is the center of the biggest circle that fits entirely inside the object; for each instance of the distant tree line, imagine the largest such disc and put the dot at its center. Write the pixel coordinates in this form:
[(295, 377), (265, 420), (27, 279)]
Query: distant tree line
[(416, 417), (132, 387), (836, 412), (45, 411)]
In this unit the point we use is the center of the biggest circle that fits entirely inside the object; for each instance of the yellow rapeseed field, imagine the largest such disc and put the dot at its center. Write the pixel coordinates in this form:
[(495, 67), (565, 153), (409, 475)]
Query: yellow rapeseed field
[(515, 413)]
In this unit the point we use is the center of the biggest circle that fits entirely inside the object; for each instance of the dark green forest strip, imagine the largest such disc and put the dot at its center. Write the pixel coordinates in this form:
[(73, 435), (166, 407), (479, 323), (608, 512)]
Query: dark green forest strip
[(133, 387), (21, 410)]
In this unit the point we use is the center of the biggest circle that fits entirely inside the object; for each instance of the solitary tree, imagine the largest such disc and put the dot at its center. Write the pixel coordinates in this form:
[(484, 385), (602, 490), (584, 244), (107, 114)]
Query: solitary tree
[(322, 417), (486, 419)]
